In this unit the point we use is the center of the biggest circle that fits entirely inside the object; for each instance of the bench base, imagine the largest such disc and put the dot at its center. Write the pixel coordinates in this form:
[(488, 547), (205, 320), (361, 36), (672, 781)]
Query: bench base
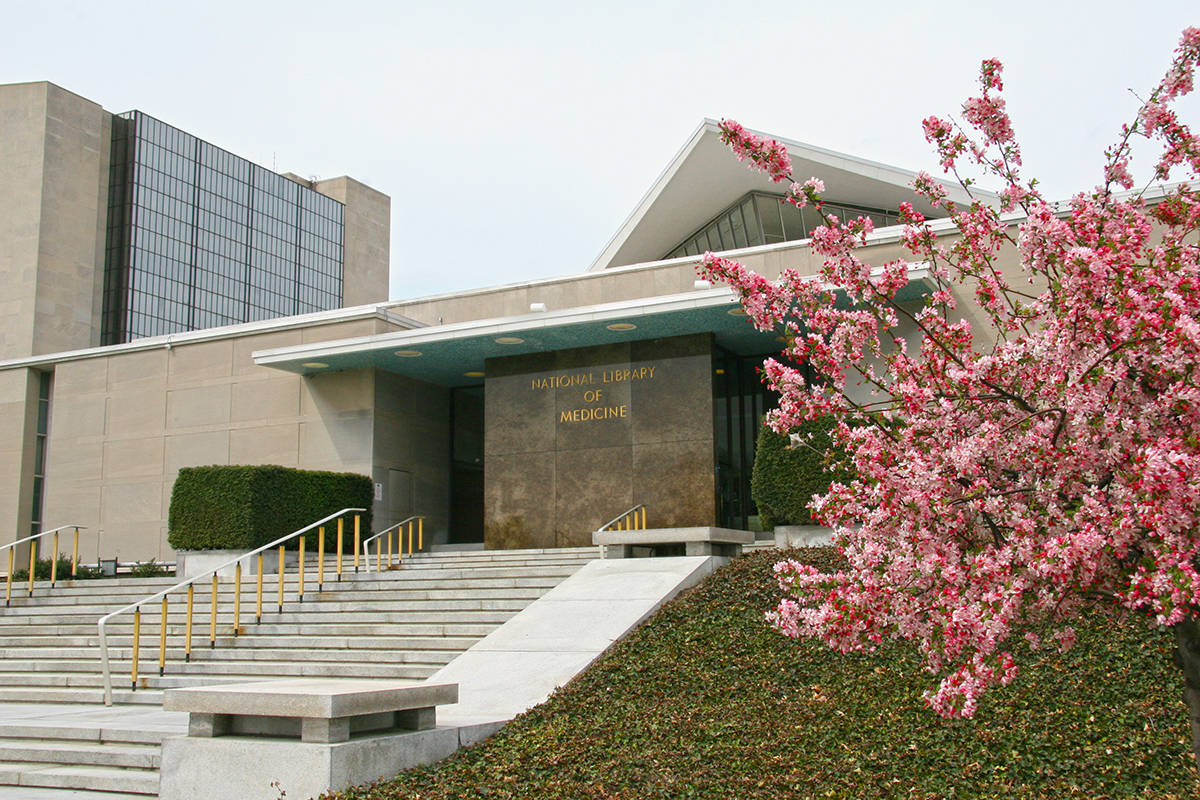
[(246, 767)]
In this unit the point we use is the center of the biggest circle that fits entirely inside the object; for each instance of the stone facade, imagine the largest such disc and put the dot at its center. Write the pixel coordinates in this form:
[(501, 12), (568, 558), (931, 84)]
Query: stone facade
[(576, 437)]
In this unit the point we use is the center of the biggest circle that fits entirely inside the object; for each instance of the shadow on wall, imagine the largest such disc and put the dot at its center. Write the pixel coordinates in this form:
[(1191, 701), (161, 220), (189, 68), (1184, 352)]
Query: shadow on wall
[(508, 533)]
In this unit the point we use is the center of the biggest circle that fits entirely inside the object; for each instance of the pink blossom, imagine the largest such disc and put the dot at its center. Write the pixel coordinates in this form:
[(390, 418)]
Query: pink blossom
[(1021, 462)]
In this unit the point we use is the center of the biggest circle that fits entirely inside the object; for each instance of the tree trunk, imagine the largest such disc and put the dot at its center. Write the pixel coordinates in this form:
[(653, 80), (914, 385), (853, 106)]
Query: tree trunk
[(1187, 658)]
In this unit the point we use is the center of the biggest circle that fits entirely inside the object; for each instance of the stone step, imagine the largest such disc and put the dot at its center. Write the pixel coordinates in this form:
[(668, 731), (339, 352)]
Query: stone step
[(62, 751), (400, 580), (86, 696), (293, 613), (251, 637), (96, 778), (267, 627)]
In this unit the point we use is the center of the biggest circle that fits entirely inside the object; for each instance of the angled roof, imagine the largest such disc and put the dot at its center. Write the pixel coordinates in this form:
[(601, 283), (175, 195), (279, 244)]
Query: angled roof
[(705, 178)]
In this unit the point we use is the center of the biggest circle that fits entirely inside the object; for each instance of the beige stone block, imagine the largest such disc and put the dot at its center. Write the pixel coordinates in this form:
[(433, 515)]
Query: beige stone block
[(200, 361), (138, 411), (271, 399), (133, 458), (196, 450), (329, 393), (336, 444), (13, 386), (73, 378), (337, 330), (76, 504), (245, 346), (76, 418), (131, 542), (73, 461), (273, 444), (142, 368), (205, 405), (131, 502)]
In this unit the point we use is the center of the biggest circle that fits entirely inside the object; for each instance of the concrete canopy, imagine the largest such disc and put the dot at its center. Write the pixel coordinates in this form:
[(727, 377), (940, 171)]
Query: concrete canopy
[(705, 178), (454, 355)]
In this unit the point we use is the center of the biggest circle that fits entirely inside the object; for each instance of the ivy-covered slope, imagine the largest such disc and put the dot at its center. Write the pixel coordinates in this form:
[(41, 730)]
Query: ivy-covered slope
[(703, 700)]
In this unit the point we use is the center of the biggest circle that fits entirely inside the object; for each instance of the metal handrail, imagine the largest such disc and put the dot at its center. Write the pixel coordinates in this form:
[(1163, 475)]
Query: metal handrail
[(366, 545), (190, 585), (11, 547), (627, 521)]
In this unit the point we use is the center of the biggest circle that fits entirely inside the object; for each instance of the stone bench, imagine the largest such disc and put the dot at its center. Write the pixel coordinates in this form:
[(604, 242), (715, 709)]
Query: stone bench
[(699, 541), (311, 735)]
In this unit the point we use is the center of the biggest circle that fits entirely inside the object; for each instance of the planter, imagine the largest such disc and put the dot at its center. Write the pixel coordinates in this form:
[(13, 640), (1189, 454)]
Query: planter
[(190, 563), (802, 536)]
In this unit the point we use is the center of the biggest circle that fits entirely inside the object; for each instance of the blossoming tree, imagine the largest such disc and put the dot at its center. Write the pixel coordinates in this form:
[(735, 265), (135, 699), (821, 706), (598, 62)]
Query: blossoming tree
[(1012, 471)]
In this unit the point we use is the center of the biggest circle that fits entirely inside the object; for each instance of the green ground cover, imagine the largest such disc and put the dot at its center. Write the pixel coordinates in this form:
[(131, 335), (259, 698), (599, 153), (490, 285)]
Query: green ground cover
[(703, 700)]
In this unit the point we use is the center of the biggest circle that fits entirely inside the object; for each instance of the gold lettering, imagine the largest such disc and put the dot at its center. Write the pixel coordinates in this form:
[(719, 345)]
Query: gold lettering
[(651, 372)]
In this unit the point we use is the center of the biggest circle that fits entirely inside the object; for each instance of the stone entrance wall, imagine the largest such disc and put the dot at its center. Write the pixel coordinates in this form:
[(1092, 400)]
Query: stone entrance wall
[(575, 437)]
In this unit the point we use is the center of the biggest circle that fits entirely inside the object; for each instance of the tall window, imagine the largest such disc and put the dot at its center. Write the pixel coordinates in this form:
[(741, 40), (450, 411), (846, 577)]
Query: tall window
[(39, 451), (198, 237)]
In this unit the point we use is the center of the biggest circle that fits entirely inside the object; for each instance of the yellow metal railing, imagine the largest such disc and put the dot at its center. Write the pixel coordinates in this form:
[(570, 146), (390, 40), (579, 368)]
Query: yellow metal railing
[(12, 551), (632, 520), (236, 563), (417, 522)]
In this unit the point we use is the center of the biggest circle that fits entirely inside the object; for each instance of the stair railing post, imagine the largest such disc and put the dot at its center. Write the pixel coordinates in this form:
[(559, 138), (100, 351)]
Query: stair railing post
[(356, 540), (32, 565), (389, 537), (339, 549), (420, 533), (378, 555), (237, 599), (137, 630), (8, 581), (300, 585), (162, 641), (258, 593), (54, 563), (75, 555), (320, 558), (187, 627), (281, 563), (212, 620)]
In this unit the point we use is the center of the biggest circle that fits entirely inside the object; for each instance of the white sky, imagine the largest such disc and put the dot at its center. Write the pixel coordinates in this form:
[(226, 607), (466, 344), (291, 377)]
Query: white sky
[(515, 137)]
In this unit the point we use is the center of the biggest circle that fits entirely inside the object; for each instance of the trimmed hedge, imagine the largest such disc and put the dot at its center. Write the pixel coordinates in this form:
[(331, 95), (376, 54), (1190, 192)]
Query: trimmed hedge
[(785, 478), (244, 507)]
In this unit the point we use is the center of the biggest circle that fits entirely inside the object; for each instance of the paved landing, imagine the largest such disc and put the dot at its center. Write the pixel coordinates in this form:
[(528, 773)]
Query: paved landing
[(519, 664)]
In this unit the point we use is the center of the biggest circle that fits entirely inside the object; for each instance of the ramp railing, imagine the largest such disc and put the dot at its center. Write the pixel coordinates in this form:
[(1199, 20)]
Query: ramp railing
[(12, 551), (236, 612)]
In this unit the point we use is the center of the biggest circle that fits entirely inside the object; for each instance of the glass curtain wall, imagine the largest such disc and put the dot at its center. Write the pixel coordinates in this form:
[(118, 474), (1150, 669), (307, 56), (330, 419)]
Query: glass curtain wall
[(760, 218), (466, 465), (740, 399), (198, 237)]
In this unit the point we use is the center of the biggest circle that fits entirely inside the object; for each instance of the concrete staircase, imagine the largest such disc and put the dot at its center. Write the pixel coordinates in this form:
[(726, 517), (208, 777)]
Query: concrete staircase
[(403, 623)]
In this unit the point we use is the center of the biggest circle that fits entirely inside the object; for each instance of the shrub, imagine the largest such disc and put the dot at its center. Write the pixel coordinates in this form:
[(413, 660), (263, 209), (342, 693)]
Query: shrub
[(41, 570), (785, 477), (148, 569), (244, 507)]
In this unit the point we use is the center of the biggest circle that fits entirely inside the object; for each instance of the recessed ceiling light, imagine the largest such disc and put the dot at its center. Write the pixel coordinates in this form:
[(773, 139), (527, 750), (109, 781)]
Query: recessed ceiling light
[(314, 365), (736, 312), (509, 340), (408, 353), (622, 326), (720, 372), (473, 375)]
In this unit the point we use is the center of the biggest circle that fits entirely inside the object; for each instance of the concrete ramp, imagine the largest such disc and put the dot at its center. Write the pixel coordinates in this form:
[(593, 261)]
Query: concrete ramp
[(520, 663)]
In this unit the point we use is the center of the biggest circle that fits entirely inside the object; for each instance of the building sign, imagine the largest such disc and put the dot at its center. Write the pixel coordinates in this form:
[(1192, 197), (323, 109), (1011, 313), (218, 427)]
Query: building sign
[(597, 404)]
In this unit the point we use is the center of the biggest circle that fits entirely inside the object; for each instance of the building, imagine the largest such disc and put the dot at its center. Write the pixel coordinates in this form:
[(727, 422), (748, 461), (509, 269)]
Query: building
[(524, 415)]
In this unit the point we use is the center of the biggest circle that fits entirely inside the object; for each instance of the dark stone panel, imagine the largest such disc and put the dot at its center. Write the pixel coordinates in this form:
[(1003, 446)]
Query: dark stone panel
[(675, 482), (676, 404), (518, 495), (519, 417), (596, 412), (593, 486)]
